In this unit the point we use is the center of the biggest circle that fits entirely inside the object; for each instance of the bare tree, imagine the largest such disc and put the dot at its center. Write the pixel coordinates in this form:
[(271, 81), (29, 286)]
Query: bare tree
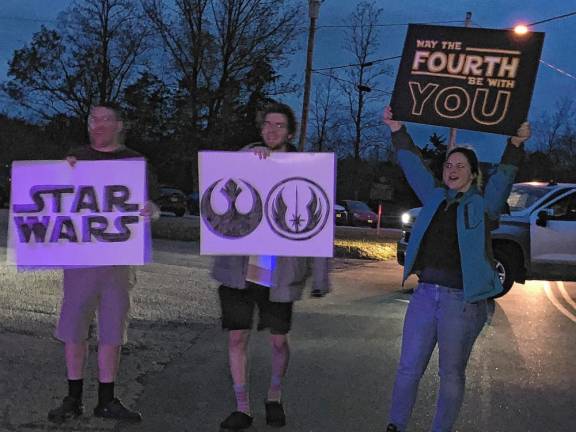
[(220, 49), (90, 58), (555, 133), (362, 41), (326, 116), (185, 35)]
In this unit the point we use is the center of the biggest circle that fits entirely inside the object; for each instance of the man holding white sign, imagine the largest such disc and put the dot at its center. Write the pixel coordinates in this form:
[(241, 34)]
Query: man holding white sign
[(106, 288), (272, 283)]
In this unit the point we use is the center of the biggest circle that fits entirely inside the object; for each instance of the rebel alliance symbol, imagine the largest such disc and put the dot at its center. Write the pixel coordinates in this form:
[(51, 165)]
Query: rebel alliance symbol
[(308, 213), (232, 223)]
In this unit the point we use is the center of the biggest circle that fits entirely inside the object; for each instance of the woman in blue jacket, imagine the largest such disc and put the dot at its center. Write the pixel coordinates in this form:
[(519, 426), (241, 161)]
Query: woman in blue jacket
[(450, 251)]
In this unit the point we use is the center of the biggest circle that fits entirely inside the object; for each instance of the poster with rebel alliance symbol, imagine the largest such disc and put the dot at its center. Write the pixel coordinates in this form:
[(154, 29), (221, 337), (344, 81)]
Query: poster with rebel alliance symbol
[(282, 205), (468, 78)]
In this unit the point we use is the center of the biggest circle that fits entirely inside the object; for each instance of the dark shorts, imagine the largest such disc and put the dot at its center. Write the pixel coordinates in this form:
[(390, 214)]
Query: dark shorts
[(237, 307)]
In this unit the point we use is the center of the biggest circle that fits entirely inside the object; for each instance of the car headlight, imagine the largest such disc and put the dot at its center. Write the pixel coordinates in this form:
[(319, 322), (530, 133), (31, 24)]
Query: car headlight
[(405, 218)]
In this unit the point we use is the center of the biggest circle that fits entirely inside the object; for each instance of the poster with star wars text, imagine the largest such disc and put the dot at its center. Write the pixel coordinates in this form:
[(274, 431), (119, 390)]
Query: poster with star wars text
[(81, 216), (282, 205), (467, 78)]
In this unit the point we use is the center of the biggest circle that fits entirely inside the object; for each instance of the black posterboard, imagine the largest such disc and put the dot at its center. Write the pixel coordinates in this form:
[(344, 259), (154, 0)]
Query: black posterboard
[(466, 78)]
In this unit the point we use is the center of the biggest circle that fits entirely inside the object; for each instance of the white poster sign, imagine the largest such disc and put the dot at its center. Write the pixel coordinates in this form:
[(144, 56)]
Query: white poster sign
[(281, 205), (86, 215)]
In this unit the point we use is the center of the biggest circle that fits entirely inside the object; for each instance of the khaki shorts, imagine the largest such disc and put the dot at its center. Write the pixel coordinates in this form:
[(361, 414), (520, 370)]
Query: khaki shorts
[(106, 289)]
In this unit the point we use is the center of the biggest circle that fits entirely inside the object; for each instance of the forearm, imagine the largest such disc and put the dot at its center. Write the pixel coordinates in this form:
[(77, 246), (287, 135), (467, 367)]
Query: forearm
[(401, 140), (410, 159), (513, 155), (500, 183)]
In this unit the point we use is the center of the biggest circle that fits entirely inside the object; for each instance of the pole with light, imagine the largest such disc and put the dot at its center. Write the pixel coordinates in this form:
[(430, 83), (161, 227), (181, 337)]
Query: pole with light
[(521, 29), (452, 139), (314, 9)]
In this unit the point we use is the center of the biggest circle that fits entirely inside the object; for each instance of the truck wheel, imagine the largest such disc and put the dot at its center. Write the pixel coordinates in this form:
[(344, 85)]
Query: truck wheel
[(506, 267)]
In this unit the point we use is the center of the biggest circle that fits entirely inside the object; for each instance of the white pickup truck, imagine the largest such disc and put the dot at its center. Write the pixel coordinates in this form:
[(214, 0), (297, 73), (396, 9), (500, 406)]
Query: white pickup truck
[(536, 239)]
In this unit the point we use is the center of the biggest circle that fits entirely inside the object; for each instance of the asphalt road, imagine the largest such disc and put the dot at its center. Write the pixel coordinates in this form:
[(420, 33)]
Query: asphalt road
[(345, 348), (344, 352)]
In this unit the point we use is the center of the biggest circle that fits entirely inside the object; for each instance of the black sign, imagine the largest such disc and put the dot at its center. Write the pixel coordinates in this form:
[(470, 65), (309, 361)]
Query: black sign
[(466, 78)]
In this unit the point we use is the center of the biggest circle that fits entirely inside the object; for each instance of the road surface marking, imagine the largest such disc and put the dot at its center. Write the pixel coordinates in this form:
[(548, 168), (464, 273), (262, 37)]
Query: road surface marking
[(564, 293), (556, 303)]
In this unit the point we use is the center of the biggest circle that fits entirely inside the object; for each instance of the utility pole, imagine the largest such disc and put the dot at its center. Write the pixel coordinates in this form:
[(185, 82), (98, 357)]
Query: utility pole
[(314, 9), (452, 139)]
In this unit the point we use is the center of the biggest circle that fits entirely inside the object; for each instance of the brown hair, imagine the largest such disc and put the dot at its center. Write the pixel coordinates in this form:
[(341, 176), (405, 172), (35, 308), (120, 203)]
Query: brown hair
[(279, 108), (472, 159)]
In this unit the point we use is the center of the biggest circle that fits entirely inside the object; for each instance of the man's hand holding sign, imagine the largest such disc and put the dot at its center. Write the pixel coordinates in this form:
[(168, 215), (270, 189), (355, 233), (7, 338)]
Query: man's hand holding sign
[(150, 210)]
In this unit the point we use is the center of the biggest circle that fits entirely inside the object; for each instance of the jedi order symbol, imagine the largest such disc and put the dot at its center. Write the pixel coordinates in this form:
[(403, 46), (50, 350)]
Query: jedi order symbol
[(297, 208), (232, 223)]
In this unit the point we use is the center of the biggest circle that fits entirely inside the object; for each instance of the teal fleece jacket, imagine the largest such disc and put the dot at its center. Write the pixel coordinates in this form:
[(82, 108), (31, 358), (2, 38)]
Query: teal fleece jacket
[(476, 212)]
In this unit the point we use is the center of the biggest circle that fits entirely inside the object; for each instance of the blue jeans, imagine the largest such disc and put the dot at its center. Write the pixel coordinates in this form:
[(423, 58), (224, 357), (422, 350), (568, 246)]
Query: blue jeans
[(436, 314)]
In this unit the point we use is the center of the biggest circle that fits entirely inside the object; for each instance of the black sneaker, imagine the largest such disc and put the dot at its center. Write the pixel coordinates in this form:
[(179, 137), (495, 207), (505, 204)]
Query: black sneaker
[(115, 410), (275, 415), (70, 408), (392, 428), (237, 421)]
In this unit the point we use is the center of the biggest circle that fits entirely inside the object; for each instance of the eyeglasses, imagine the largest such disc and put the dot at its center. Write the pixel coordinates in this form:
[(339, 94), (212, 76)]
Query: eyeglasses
[(270, 125), (103, 119), (458, 166)]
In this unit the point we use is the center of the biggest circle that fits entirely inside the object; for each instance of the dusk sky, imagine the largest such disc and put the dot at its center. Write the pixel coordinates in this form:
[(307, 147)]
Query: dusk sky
[(19, 19)]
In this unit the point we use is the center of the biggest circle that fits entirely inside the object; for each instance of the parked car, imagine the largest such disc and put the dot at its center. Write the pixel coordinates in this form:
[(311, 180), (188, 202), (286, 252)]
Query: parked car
[(341, 215), (4, 197), (359, 214), (391, 213), (535, 239), (193, 203), (172, 200)]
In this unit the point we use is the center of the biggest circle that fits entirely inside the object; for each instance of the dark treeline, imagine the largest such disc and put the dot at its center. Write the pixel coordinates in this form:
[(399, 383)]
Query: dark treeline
[(192, 75)]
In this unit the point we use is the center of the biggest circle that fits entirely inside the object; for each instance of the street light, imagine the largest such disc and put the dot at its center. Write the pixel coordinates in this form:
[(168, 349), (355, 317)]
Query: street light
[(452, 136), (521, 29)]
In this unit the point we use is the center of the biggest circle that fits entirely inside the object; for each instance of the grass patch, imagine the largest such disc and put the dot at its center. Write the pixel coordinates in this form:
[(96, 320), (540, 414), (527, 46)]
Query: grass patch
[(365, 249)]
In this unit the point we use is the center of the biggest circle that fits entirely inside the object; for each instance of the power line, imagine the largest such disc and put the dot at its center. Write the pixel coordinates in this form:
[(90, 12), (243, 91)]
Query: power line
[(350, 82), (435, 22), (550, 65), (387, 25), (16, 18), (552, 19), (535, 22), (557, 69), (12, 18), (358, 64)]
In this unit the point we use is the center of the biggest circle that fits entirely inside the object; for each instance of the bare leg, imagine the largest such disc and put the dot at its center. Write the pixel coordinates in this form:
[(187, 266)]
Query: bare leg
[(108, 362), (238, 358), (75, 355), (280, 360)]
